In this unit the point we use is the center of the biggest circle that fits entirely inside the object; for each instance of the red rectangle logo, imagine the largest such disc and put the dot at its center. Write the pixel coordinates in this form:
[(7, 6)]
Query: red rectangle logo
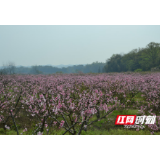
[(125, 120)]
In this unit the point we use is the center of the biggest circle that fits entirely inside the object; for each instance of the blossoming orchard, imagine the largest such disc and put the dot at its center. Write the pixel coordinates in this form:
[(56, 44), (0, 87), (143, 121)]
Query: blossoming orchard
[(72, 103)]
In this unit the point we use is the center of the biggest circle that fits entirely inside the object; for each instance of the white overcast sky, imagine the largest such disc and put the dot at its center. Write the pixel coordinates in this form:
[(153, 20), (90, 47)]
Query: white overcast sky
[(67, 44)]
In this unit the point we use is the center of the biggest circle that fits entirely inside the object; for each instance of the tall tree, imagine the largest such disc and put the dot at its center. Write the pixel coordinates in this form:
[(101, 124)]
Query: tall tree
[(9, 68)]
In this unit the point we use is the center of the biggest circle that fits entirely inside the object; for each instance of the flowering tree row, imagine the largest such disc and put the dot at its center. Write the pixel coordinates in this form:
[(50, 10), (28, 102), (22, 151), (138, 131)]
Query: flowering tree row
[(74, 102)]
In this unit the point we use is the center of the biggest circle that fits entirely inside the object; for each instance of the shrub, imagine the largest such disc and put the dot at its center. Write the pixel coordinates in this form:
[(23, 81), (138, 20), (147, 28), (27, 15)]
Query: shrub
[(138, 70), (2, 131)]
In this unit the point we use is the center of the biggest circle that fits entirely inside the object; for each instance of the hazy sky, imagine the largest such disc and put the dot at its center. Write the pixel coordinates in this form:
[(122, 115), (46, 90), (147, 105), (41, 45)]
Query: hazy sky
[(42, 45)]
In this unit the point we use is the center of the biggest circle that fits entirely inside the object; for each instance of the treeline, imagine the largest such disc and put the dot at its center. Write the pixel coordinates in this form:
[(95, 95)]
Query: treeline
[(95, 67), (142, 59)]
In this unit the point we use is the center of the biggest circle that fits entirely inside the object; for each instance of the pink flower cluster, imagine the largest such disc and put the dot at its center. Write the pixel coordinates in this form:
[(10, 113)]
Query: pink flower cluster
[(61, 124)]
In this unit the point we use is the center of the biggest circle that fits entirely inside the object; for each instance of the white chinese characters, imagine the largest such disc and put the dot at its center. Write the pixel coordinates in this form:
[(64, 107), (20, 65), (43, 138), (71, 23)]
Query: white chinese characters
[(149, 119)]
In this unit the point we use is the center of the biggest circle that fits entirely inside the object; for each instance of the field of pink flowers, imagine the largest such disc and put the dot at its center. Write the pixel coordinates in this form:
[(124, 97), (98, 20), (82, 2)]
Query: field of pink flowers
[(39, 104)]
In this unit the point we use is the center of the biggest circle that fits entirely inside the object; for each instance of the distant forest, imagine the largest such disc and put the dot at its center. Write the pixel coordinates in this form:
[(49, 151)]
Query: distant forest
[(142, 59), (95, 67)]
